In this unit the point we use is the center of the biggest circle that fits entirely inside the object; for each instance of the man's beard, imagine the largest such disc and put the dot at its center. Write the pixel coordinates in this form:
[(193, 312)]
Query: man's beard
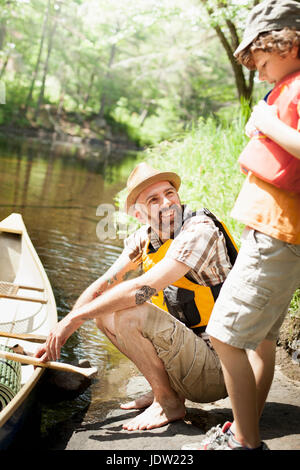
[(169, 222)]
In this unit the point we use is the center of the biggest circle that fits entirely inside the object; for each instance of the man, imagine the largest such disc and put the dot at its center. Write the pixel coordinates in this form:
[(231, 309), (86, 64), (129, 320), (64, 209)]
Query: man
[(158, 318)]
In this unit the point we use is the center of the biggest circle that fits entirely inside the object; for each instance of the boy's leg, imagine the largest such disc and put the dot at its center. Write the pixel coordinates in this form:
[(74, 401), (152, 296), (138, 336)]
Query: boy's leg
[(262, 361), (241, 387), (247, 316)]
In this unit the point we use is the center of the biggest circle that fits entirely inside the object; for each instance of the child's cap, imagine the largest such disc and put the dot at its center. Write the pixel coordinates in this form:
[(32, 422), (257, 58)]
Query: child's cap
[(270, 15)]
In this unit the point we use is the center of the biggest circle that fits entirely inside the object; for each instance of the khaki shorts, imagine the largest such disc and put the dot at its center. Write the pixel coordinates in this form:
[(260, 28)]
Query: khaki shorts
[(257, 292), (193, 368)]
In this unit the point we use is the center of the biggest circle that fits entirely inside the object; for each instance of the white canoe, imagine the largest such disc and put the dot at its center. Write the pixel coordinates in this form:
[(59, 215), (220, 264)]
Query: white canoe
[(27, 305)]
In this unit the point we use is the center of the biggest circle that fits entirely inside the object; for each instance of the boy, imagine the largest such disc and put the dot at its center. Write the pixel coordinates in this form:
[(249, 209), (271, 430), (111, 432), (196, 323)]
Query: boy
[(256, 295)]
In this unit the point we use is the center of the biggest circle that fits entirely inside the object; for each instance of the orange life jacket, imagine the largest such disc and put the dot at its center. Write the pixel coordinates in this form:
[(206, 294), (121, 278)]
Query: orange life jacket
[(262, 156), (185, 299)]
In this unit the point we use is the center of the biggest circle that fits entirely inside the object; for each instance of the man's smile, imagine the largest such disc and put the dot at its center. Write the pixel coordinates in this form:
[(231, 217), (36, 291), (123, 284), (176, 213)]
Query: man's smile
[(168, 213)]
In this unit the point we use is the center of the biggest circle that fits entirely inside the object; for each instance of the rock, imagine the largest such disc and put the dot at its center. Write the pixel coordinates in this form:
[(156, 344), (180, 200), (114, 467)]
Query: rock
[(84, 363), (59, 385)]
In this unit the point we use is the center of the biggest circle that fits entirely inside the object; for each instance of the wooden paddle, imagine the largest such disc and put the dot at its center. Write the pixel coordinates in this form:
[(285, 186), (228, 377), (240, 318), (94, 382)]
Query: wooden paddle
[(24, 336), (86, 371)]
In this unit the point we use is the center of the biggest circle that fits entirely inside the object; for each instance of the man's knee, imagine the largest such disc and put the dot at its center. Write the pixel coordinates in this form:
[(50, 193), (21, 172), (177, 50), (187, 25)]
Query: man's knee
[(124, 322), (130, 319), (105, 322)]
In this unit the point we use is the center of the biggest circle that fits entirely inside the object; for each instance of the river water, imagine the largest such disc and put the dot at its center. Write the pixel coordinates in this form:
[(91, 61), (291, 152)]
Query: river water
[(57, 190)]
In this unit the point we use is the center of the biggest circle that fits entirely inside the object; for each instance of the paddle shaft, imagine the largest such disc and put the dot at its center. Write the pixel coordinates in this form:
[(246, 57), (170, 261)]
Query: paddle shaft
[(24, 336), (86, 371)]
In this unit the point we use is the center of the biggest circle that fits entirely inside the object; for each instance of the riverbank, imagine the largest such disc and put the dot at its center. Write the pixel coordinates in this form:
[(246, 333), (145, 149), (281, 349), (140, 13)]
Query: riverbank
[(86, 141), (100, 426)]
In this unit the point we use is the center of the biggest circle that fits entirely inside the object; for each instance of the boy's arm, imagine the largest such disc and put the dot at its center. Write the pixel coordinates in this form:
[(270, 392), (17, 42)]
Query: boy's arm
[(123, 295), (265, 118)]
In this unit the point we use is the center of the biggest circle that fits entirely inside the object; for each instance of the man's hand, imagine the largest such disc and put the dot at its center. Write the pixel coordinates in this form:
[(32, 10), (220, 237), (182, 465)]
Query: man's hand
[(50, 350)]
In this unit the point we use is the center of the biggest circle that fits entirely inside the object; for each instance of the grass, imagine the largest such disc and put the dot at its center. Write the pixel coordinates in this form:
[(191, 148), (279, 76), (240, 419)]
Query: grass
[(295, 305)]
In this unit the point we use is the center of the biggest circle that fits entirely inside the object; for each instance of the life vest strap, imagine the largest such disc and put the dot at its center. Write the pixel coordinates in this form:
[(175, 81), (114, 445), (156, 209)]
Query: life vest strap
[(190, 300)]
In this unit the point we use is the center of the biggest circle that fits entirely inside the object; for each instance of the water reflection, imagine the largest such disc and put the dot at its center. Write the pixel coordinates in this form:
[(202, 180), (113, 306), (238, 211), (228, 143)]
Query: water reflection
[(57, 195)]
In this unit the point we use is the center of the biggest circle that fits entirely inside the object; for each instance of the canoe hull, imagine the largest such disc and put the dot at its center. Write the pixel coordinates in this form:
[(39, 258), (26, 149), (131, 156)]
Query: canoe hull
[(23, 414), (22, 267)]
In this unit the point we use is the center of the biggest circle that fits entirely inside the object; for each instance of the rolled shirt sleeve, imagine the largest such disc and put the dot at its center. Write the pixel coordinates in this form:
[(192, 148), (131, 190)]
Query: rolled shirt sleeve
[(135, 243)]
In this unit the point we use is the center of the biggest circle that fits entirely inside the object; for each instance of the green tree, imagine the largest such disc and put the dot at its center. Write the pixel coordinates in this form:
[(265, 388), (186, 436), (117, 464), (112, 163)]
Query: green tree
[(146, 66), (227, 19), (38, 60)]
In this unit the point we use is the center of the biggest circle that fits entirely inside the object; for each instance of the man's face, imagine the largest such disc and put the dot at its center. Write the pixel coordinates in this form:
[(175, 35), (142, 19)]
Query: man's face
[(159, 205)]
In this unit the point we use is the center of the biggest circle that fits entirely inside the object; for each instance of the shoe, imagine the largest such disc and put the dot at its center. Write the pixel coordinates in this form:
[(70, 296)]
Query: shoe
[(218, 438), (233, 444), (215, 437)]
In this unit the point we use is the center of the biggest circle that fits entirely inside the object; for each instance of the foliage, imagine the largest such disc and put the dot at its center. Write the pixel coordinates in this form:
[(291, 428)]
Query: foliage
[(295, 305), (161, 125), (150, 66)]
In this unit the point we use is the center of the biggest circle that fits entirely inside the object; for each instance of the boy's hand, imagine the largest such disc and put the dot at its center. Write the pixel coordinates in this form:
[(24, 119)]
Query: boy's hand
[(261, 118)]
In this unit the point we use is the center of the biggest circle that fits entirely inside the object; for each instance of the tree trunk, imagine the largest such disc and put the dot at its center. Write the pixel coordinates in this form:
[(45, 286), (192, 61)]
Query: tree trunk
[(45, 71), (107, 77), (244, 89), (244, 85), (4, 65), (90, 86), (37, 65), (2, 33)]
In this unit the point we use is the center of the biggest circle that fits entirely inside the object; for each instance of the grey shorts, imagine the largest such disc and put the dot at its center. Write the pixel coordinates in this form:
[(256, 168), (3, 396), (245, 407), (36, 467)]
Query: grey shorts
[(257, 292), (193, 368)]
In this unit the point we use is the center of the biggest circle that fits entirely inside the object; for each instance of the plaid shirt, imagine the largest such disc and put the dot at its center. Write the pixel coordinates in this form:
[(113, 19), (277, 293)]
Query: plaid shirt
[(199, 244)]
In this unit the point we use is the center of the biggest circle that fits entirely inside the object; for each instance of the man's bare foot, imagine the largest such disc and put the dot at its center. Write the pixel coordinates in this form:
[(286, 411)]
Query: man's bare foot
[(142, 402), (157, 415)]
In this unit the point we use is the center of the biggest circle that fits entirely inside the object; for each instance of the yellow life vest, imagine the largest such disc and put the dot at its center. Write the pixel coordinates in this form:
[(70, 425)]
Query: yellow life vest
[(194, 302)]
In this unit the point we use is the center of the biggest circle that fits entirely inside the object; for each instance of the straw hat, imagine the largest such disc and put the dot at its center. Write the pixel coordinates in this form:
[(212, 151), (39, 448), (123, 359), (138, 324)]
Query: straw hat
[(143, 176)]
